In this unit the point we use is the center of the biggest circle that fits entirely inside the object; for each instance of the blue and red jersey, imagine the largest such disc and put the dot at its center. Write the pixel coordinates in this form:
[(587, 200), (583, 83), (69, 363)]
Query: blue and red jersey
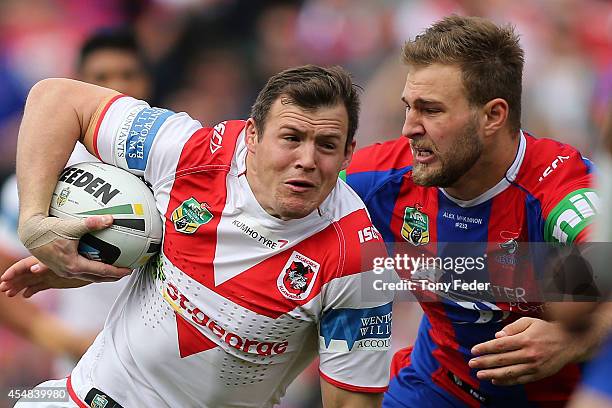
[(546, 196)]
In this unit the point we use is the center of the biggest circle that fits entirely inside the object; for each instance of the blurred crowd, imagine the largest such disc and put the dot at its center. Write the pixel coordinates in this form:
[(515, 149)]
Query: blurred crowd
[(211, 57)]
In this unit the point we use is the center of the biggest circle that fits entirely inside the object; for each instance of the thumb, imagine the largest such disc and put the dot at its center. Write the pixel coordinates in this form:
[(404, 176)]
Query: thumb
[(41, 230), (98, 222), (514, 328)]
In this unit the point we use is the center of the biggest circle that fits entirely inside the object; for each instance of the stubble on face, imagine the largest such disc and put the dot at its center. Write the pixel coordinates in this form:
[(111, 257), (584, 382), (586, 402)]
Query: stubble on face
[(452, 164)]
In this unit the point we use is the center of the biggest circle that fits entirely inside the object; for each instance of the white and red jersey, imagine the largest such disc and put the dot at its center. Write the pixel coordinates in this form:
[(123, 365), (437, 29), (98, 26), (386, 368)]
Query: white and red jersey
[(238, 302)]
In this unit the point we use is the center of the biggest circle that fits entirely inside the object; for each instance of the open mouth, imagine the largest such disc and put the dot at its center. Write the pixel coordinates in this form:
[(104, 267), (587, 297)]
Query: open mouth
[(299, 184), (423, 153)]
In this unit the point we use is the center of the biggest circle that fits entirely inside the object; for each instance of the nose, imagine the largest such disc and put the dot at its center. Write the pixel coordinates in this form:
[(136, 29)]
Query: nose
[(307, 157), (413, 125)]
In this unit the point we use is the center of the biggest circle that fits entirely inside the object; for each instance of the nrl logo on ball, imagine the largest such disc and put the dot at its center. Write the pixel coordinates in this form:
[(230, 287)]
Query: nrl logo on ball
[(63, 196)]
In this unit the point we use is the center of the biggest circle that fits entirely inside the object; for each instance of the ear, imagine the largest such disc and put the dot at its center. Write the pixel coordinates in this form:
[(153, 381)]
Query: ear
[(495, 115), (251, 135), (348, 155)]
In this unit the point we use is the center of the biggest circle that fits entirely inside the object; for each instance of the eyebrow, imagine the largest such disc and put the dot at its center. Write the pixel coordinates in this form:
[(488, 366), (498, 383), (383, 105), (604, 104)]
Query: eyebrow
[(325, 134), (422, 101), (292, 128)]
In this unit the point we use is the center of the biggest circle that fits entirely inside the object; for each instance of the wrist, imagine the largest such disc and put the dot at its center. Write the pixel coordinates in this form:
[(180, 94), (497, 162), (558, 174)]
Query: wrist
[(580, 347)]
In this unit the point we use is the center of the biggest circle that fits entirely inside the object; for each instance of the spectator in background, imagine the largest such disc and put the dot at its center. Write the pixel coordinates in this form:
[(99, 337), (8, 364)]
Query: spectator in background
[(113, 59)]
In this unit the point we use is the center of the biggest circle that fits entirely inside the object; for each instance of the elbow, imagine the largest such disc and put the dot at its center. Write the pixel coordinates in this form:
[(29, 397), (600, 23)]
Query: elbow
[(47, 88), (44, 85)]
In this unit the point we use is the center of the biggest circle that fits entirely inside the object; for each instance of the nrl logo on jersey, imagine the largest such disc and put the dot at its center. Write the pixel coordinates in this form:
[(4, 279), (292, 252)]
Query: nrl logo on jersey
[(190, 215), (297, 277), (99, 401), (416, 226)]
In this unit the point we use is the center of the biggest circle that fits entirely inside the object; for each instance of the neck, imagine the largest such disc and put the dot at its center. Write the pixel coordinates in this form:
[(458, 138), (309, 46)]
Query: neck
[(490, 168)]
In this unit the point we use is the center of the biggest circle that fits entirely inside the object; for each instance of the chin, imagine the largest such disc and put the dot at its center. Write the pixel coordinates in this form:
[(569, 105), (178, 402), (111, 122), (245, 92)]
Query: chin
[(296, 210), (289, 214), (432, 178), (423, 177)]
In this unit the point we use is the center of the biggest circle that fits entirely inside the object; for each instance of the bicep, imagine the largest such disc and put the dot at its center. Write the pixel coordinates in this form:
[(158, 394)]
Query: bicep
[(92, 111), (335, 397), (81, 102)]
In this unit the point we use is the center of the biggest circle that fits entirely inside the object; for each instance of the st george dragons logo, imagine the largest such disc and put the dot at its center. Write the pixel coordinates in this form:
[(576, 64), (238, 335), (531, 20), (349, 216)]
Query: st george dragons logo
[(297, 277)]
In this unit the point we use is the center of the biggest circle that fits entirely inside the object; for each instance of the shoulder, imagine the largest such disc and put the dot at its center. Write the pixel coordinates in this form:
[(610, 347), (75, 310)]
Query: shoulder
[(376, 165), (344, 204), (393, 154), (212, 147), (560, 179), (549, 163), (353, 229)]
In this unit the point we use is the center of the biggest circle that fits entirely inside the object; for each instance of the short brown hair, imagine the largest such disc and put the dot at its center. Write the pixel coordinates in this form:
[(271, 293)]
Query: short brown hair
[(489, 56), (310, 87)]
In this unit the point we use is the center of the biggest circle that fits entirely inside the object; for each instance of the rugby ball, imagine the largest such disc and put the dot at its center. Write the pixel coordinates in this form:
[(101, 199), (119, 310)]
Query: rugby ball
[(87, 189)]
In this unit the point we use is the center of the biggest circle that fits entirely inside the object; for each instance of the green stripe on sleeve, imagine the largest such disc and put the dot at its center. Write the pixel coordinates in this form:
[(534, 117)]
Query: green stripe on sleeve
[(571, 215)]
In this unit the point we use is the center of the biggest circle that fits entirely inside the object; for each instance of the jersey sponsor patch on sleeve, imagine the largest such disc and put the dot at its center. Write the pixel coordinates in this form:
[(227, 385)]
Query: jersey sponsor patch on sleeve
[(144, 127), (571, 215), (345, 329)]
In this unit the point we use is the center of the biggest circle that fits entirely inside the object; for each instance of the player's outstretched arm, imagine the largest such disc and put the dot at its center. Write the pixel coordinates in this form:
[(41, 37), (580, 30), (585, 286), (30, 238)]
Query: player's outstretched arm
[(58, 113), (334, 397), (41, 328), (30, 276)]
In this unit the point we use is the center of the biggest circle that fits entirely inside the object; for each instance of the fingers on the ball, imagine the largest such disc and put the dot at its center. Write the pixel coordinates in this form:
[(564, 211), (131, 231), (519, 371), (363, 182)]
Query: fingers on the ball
[(32, 290), (100, 269), (13, 291), (98, 222), (97, 278)]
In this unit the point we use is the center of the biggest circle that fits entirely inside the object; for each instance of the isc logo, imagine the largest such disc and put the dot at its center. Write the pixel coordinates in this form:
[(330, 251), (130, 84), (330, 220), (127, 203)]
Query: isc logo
[(217, 137), (559, 160), (368, 234)]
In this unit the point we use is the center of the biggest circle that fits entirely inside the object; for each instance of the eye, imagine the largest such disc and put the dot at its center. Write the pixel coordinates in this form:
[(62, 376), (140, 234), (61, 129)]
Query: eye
[(328, 146), (432, 111), (291, 138)]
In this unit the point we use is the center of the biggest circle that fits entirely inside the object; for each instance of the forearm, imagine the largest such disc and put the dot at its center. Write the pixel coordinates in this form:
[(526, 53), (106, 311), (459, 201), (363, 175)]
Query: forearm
[(17, 314), (29, 321), (588, 343), (334, 397), (54, 335)]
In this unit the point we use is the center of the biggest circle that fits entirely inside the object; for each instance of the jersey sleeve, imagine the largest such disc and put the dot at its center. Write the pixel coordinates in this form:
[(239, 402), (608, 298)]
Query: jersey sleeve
[(143, 140), (571, 202), (355, 325), (372, 166), (355, 338)]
